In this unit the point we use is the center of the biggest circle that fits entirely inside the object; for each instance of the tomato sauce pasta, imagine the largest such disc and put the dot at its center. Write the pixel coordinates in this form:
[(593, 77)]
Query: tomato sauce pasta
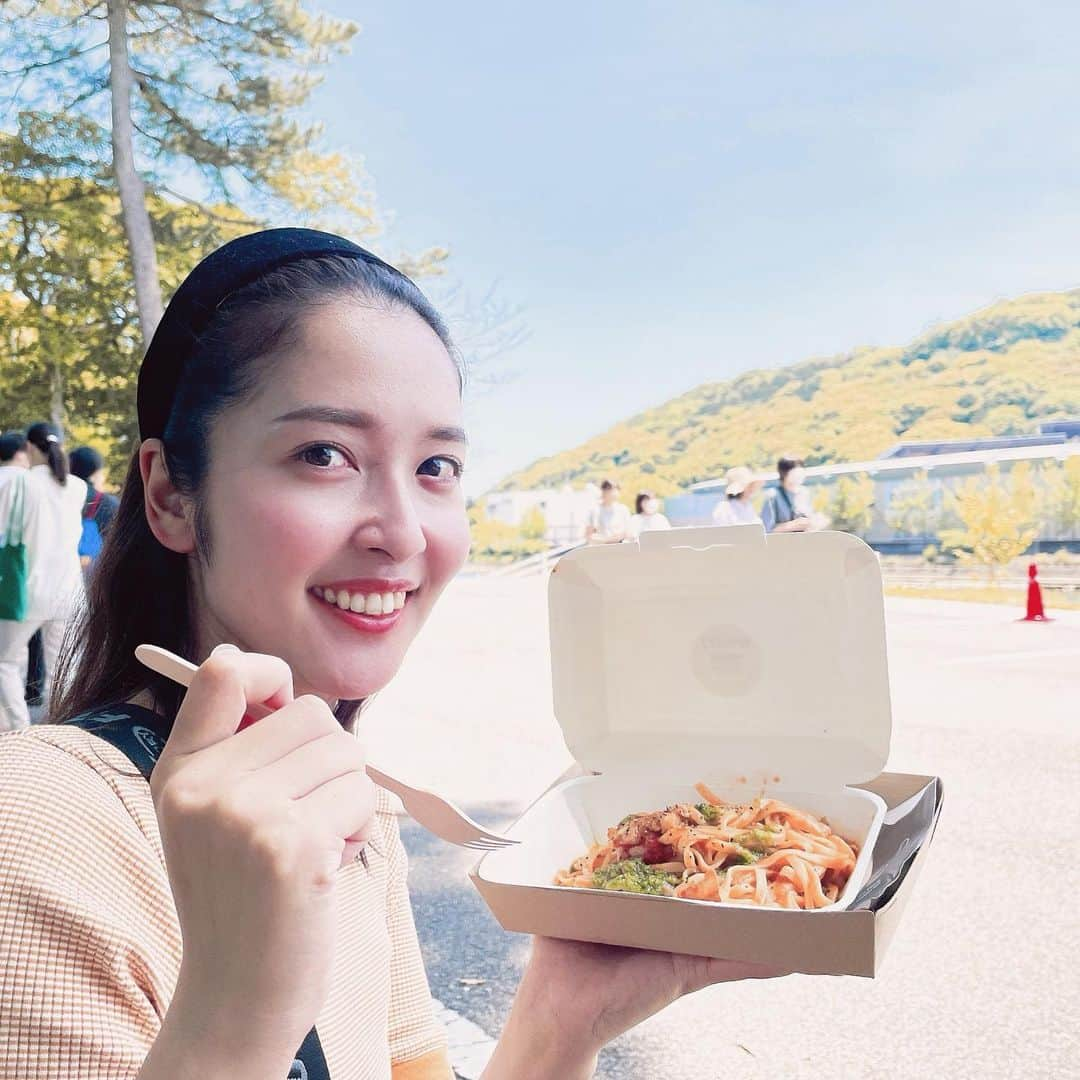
[(764, 853)]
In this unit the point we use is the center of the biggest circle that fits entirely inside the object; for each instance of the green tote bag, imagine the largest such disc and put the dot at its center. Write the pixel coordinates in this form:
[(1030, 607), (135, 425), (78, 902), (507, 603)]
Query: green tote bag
[(13, 564)]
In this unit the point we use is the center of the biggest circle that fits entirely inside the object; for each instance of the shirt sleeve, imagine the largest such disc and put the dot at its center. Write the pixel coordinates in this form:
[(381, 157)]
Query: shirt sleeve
[(7, 492), (83, 982), (417, 1041), (768, 513)]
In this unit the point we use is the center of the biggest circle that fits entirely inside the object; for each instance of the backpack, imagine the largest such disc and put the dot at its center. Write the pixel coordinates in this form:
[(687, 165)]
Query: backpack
[(90, 538)]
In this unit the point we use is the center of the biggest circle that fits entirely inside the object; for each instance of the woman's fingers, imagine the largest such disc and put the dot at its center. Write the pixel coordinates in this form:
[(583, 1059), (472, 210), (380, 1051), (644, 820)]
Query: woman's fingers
[(302, 721), (220, 692), (345, 806), (313, 763), (706, 971)]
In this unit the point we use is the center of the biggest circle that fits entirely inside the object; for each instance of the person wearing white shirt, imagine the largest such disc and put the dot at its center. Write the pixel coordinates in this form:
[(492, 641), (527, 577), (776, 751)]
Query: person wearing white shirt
[(52, 502), (608, 523), (647, 516), (13, 459), (737, 505)]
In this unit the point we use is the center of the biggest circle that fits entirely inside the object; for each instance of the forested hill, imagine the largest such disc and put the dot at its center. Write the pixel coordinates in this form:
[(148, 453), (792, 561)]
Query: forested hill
[(1000, 371)]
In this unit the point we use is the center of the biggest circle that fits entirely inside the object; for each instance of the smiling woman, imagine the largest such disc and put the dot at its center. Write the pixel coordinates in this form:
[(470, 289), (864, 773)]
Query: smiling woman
[(292, 514)]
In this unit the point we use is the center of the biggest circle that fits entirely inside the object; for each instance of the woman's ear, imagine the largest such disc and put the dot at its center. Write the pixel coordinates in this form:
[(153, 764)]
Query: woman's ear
[(166, 509)]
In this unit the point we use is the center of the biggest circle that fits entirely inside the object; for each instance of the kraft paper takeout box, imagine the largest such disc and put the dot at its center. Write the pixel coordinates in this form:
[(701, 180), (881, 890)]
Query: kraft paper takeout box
[(752, 663)]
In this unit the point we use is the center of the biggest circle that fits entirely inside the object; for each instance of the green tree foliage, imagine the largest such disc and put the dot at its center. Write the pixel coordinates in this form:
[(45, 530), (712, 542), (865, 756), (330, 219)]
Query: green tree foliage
[(69, 340), (998, 517), (498, 542), (850, 504), (1058, 486), (213, 96), (533, 525), (1016, 364)]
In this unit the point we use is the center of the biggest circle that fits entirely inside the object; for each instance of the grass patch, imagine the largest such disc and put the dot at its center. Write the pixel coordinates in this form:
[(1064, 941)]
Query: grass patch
[(1059, 599)]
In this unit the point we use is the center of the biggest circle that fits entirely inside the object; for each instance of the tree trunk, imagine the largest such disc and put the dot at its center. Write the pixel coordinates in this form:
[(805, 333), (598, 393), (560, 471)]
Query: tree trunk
[(56, 397), (140, 237)]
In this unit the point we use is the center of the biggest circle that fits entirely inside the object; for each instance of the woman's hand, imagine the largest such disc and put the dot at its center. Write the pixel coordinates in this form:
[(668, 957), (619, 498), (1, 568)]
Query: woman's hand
[(576, 997), (255, 825)]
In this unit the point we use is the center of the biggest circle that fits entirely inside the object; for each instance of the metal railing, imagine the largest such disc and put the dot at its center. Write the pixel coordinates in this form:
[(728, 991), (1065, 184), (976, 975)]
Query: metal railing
[(535, 564)]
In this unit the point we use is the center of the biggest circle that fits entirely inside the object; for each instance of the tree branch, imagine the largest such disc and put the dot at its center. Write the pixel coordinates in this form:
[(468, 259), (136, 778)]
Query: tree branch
[(37, 65), (210, 213)]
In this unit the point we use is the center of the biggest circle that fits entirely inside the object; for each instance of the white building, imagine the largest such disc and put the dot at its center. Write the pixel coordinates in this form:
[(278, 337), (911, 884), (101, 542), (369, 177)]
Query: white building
[(564, 509)]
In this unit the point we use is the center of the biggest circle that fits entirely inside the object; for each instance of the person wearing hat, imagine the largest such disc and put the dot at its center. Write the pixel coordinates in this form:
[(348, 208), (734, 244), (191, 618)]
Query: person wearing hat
[(293, 511), (737, 505)]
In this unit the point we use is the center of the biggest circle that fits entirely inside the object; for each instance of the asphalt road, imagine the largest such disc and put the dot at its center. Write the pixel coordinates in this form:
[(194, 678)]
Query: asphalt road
[(981, 980)]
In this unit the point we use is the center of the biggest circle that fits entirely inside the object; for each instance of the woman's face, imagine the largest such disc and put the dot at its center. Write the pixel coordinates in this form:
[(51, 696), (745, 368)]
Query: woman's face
[(334, 501), (795, 478)]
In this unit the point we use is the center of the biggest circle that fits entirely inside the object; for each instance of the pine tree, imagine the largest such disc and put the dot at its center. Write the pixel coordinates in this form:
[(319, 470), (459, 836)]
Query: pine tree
[(194, 101)]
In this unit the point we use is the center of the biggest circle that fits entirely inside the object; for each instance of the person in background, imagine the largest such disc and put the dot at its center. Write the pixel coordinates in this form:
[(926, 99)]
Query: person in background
[(647, 516), (786, 507), (737, 505), (608, 523), (14, 461), (100, 507), (52, 503), (13, 456)]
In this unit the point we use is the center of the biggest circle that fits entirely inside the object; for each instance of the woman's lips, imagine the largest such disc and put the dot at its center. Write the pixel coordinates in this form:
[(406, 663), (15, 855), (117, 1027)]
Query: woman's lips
[(373, 612)]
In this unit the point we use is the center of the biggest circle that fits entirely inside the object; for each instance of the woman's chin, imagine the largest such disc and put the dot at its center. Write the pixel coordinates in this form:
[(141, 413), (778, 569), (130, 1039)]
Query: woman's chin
[(348, 686)]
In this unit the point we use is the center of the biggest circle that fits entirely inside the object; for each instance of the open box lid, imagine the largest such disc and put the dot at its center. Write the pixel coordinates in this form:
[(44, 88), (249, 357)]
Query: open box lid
[(724, 652)]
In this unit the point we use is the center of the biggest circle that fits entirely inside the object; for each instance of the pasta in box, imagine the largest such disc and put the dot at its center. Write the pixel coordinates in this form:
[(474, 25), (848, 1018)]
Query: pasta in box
[(724, 691)]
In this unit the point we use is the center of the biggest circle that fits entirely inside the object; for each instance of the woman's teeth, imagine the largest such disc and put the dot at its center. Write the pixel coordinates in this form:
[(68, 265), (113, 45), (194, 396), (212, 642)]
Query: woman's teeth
[(363, 603)]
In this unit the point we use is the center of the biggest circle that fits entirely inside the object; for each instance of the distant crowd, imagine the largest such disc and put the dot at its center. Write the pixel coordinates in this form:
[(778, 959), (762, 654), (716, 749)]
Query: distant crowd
[(53, 513), (785, 508)]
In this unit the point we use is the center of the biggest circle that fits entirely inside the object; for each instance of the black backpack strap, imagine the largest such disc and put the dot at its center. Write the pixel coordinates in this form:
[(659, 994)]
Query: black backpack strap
[(140, 734)]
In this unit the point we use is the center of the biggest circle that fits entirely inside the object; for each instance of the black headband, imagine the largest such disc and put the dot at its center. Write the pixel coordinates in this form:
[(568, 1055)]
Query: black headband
[(239, 263)]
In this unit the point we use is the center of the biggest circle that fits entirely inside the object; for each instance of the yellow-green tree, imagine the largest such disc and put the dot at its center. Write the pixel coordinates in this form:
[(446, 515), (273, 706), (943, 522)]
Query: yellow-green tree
[(69, 340), (850, 503), (533, 525), (1058, 484), (496, 541), (998, 517)]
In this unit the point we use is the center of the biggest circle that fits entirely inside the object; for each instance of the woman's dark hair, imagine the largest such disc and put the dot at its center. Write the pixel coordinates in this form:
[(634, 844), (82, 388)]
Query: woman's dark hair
[(641, 497), (49, 439), (786, 464), (140, 591), (84, 462)]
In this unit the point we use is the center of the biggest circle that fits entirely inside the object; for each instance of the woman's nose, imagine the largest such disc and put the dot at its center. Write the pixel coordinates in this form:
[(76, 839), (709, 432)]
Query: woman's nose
[(392, 523)]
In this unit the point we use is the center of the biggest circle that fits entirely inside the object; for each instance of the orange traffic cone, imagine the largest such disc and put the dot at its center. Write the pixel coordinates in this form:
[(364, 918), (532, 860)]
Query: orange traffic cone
[(1035, 610)]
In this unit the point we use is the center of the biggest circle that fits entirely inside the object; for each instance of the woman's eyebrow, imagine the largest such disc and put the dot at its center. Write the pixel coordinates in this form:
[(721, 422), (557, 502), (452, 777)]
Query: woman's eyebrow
[(354, 418)]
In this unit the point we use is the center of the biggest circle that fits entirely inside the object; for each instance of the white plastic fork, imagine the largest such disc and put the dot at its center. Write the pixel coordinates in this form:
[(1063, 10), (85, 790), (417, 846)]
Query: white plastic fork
[(436, 814)]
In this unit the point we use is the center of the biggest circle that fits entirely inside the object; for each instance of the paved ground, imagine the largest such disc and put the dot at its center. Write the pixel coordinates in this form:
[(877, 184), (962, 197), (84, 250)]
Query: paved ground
[(981, 980)]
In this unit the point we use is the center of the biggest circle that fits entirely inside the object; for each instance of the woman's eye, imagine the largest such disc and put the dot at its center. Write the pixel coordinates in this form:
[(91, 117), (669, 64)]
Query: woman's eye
[(323, 456), (442, 468)]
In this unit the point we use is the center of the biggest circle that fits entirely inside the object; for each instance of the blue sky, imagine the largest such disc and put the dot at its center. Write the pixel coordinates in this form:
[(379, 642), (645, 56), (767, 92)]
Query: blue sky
[(677, 192)]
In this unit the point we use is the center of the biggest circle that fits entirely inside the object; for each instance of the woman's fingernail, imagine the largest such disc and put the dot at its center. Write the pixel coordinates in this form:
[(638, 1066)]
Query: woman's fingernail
[(224, 647)]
